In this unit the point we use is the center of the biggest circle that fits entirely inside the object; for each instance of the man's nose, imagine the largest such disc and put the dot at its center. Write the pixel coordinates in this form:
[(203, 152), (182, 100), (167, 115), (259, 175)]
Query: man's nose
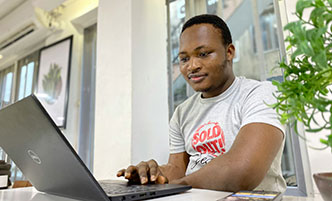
[(194, 65)]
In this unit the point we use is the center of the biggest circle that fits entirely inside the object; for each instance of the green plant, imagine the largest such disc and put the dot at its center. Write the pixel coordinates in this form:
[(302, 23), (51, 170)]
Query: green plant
[(306, 91)]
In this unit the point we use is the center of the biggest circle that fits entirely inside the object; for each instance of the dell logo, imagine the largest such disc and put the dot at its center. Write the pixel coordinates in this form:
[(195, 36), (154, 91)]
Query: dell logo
[(34, 157)]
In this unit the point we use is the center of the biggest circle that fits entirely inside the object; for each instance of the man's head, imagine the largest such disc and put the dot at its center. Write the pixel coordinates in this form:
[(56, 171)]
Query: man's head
[(206, 53), (215, 21)]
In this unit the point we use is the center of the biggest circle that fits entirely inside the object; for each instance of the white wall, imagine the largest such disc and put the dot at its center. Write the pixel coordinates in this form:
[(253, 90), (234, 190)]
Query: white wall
[(131, 89)]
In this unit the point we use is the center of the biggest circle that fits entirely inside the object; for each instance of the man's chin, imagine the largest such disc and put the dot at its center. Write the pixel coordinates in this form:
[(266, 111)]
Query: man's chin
[(201, 89)]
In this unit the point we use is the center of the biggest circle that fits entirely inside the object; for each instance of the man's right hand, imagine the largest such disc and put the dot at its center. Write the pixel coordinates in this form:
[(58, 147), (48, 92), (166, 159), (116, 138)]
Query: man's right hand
[(143, 173)]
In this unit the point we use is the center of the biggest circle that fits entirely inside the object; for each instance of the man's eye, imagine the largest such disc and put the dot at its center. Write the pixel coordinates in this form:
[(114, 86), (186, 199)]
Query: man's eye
[(184, 59), (203, 54)]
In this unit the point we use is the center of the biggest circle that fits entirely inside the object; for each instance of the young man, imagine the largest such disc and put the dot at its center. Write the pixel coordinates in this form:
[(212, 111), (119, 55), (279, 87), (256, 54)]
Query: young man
[(224, 137)]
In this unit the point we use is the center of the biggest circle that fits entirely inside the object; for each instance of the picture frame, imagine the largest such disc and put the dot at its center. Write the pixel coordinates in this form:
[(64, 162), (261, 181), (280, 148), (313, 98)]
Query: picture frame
[(53, 79)]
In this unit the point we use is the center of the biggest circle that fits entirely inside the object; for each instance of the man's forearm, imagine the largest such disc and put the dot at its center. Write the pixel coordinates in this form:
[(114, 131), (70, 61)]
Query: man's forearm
[(176, 166), (172, 172), (220, 174)]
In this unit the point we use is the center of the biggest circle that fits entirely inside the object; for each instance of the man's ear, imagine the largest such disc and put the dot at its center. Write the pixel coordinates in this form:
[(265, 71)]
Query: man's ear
[(230, 52)]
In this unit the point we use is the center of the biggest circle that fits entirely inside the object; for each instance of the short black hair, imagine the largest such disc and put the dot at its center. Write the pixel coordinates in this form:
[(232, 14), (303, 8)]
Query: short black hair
[(215, 21)]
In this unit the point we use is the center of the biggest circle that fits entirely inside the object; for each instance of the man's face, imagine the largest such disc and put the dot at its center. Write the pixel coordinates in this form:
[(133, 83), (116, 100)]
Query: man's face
[(205, 62)]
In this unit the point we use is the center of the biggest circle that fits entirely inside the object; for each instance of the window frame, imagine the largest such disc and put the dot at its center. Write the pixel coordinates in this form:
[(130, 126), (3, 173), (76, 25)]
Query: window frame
[(16, 70), (3, 73), (33, 57)]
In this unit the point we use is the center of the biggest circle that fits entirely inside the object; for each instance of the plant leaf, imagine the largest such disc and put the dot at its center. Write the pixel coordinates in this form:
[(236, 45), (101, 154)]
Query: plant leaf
[(301, 5)]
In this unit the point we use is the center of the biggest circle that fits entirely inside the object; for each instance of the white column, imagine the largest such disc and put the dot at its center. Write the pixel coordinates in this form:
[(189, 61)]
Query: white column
[(113, 112), (149, 77), (131, 117)]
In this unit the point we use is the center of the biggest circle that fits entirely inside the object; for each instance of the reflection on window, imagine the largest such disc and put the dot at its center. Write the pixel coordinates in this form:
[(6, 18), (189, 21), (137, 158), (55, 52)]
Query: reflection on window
[(22, 82), (269, 29), (177, 18), (8, 87), (212, 6), (229, 7), (26, 80), (28, 87), (6, 82), (179, 90), (177, 15)]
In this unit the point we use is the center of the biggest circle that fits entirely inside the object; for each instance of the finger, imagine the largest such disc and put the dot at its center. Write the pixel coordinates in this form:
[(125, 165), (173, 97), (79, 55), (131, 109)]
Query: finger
[(161, 179), (121, 173), (129, 173), (153, 170), (135, 179), (143, 170)]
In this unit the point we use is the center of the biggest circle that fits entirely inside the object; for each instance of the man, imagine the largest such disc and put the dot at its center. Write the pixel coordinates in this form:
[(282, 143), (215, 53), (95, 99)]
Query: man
[(224, 137)]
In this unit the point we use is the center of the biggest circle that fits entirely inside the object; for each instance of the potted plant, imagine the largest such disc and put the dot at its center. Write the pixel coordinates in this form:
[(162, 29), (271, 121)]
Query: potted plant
[(306, 90)]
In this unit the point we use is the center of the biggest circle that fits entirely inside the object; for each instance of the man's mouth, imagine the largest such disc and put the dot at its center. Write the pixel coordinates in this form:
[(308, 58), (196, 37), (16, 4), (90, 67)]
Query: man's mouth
[(196, 77)]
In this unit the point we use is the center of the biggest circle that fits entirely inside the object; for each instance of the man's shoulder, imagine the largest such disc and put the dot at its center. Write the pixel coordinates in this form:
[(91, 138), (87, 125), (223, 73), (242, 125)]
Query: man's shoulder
[(189, 101), (250, 85), (186, 106)]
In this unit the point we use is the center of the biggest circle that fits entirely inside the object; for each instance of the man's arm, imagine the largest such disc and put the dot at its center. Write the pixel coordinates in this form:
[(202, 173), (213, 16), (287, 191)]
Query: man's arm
[(176, 166), (174, 169), (244, 166)]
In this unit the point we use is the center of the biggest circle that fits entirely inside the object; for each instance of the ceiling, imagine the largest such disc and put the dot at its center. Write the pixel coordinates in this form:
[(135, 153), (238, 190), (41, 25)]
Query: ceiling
[(7, 6)]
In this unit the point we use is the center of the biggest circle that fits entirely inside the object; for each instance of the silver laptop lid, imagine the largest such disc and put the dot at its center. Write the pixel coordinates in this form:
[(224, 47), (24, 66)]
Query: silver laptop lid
[(39, 149)]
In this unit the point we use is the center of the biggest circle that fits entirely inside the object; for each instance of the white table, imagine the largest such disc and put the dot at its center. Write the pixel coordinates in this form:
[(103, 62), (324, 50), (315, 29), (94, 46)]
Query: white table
[(31, 194)]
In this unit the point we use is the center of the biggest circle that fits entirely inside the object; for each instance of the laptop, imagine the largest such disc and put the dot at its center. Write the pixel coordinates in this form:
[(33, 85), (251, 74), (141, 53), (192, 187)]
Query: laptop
[(37, 146)]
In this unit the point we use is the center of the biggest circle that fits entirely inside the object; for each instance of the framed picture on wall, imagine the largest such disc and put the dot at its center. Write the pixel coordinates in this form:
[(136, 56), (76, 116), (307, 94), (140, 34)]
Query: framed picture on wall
[(53, 79)]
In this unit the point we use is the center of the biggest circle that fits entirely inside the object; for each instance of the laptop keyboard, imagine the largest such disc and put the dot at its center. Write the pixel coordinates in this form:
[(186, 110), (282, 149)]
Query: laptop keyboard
[(111, 188)]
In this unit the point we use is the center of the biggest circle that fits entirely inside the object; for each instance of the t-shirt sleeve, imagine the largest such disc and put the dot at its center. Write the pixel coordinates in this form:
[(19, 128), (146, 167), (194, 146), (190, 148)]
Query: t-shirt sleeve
[(256, 110), (176, 141)]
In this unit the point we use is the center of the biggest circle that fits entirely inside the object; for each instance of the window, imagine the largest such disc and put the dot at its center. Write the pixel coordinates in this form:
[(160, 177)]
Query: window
[(177, 18), (6, 89), (268, 26), (6, 84), (27, 72), (24, 76), (256, 40)]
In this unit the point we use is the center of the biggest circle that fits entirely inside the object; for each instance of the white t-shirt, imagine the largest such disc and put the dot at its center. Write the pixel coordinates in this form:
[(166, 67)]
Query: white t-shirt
[(207, 127)]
